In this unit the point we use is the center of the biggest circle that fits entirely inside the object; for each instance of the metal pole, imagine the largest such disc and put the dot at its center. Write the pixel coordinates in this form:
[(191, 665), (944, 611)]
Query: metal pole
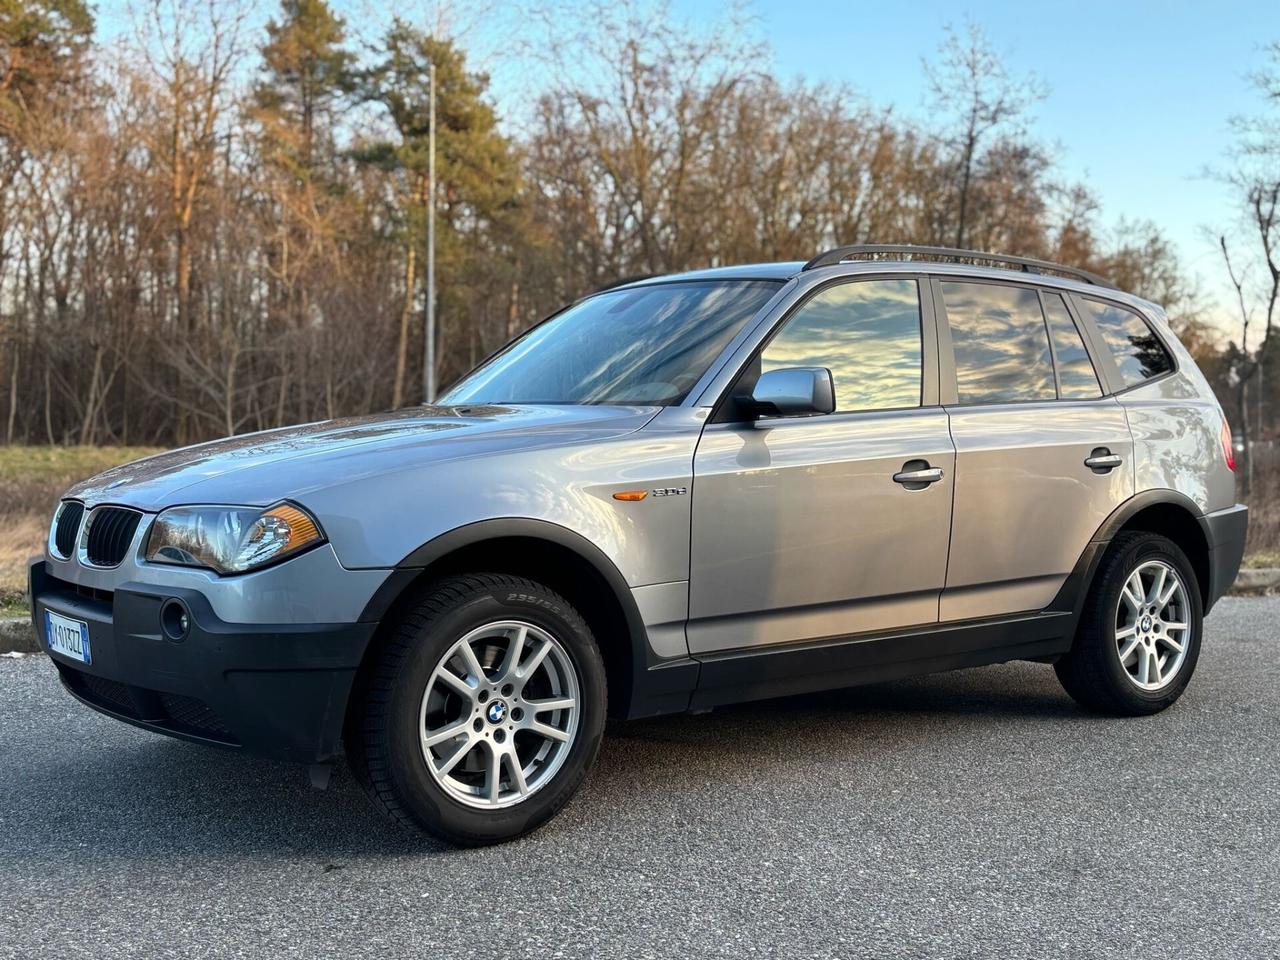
[(429, 365)]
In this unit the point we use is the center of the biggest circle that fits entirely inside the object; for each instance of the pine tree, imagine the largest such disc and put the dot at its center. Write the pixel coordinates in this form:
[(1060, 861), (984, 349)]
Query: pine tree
[(306, 75), (477, 182), (42, 47), (298, 105)]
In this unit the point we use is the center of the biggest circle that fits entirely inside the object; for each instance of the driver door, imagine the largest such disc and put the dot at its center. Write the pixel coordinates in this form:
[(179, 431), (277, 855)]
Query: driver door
[(800, 530)]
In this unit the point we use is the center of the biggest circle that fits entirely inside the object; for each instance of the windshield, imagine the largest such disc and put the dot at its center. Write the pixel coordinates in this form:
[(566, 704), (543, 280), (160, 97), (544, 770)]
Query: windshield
[(646, 345)]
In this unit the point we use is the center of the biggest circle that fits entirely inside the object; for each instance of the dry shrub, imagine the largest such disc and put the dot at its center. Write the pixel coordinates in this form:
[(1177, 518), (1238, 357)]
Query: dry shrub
[(1264, 502), (31, 480), (23, 539)]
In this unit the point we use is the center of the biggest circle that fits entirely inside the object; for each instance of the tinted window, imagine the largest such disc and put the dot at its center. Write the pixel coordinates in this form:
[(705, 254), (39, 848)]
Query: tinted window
[(1076, 377), (1138, 351), (1000, 344), (866, 333), (647, 345)]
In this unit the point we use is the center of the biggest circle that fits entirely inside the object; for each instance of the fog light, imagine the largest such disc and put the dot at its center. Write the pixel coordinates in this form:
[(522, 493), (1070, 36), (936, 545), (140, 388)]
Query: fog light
[(175, 621)]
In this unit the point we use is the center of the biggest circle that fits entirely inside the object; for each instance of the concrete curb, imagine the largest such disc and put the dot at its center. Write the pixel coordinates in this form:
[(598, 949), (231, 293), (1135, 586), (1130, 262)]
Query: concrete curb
[(1257, 580), (16, 633)]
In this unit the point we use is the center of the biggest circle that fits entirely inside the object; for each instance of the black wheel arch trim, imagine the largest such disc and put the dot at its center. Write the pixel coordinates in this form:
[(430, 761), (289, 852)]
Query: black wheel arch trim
[(658, 686), (1075, 588), (1141, 501)]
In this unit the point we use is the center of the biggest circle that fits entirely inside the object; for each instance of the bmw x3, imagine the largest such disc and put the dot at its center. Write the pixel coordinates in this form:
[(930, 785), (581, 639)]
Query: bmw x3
[(676, 493)]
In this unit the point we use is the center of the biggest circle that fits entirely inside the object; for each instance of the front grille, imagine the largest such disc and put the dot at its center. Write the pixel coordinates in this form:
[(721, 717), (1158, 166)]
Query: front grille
[(90, 593), (194, 715), (68, 590), (66, 526), (111, 530), (166, 711), (107, 691)]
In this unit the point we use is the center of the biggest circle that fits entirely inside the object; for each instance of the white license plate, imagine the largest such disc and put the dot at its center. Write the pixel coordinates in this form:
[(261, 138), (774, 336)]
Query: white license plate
[(67, 637)]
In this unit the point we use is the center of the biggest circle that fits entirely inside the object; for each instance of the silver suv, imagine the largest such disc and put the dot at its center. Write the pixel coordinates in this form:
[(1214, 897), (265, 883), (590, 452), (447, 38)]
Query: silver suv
[(676, 493)]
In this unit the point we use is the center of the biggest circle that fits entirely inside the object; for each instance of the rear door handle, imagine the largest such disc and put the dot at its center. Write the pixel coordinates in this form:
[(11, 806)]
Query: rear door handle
[(918, 478), (1103, 460)]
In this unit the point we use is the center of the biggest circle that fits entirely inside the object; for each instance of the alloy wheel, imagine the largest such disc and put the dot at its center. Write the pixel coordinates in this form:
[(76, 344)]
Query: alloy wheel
[(499, 714), (1153, 625)]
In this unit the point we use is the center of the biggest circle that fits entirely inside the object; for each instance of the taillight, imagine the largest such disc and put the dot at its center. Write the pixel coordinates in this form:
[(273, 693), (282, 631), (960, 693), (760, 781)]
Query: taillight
[(1228, 447)]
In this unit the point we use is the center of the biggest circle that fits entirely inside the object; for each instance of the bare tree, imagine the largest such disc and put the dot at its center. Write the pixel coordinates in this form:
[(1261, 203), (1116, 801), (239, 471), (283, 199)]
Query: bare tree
[(1255, 180), (969, 82), (194, 242)]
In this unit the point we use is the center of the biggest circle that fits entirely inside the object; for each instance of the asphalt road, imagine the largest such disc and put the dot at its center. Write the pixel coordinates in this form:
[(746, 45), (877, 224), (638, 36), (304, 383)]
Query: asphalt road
[(972, 814)]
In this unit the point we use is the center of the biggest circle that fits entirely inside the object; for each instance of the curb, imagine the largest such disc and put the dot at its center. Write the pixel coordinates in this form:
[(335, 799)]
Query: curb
[(16, 633), (1257, 580)]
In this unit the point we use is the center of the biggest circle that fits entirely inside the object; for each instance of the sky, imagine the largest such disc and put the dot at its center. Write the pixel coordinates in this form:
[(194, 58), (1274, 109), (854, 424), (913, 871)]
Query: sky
[(1140, 93)]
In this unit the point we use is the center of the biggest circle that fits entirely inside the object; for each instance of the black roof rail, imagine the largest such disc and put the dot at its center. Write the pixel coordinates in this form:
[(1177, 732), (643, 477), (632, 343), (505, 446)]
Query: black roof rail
[(876, 251), (622, 282)]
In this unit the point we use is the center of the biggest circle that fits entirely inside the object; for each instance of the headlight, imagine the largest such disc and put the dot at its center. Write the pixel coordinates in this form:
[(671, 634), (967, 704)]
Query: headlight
[(230, 539)]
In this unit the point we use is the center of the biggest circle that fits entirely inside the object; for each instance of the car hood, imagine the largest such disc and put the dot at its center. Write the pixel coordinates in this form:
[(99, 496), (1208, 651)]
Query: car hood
[(261, 468)]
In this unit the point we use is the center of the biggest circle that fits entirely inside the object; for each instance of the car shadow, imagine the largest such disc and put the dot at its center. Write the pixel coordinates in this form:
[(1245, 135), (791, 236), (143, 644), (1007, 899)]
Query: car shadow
[(202, 800)]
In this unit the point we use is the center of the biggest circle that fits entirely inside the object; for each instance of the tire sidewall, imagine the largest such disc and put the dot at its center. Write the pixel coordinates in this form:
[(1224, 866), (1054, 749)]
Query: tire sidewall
[(426, 800), (1143, 551)]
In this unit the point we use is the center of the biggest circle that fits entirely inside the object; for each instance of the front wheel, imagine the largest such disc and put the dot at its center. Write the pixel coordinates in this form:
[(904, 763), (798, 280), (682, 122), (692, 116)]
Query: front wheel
[(483, 712), (1139, 635)]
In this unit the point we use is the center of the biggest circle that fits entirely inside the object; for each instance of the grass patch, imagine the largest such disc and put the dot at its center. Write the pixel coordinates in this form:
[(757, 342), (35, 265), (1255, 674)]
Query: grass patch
[(1261, 560), (56, 462), (31, 480), (24, 536)]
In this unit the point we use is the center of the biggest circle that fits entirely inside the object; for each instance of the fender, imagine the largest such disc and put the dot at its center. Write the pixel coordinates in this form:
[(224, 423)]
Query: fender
[(1140, 501), (657, 686), (1075, 588)]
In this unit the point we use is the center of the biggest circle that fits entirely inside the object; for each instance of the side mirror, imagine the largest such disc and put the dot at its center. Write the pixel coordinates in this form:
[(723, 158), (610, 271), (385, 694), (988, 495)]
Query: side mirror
[(793, 391)]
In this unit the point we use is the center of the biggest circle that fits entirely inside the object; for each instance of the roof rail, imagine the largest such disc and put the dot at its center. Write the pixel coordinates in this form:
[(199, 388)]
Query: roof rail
[(877, 251), (621, 282)]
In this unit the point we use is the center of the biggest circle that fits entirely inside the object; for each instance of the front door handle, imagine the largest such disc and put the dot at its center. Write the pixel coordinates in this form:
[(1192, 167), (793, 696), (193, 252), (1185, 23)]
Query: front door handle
[(917, 474), (1103, 460)]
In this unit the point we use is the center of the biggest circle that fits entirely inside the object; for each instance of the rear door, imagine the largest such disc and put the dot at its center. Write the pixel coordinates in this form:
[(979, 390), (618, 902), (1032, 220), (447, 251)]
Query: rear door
[(800, 530), (1042, 456)]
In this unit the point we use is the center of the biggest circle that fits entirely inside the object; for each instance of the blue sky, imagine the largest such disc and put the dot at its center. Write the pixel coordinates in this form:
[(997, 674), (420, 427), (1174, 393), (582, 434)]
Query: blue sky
[(1140, 92)]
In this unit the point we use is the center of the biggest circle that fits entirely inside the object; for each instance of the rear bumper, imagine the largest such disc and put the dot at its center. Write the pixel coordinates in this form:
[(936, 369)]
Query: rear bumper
[(1225, 531), (276, 690)]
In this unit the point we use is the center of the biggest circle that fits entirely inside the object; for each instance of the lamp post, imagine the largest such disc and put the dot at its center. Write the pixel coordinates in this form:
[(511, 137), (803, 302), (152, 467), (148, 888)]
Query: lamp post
[(429, 361)]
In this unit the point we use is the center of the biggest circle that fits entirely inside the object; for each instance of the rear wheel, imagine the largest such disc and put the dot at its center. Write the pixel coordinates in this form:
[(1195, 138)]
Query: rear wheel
[(1139, 634), (483, 712)]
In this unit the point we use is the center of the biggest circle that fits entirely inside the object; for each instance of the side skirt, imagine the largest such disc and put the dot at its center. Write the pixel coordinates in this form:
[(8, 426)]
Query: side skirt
[(796, 668)]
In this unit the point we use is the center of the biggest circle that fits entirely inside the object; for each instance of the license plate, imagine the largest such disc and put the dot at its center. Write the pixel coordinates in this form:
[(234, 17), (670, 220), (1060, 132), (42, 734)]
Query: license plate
[(67, 637)]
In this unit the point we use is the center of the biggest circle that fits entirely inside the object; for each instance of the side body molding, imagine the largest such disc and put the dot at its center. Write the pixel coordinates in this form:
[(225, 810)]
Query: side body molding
[(660, 686)]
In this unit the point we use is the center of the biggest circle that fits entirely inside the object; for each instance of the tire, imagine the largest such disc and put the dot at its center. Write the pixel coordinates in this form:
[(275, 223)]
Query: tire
[(1152, 674), (422, 687)]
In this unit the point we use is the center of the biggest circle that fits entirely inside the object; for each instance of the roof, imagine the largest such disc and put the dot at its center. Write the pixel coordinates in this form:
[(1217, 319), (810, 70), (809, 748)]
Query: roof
[(908, 259), (782, 270)]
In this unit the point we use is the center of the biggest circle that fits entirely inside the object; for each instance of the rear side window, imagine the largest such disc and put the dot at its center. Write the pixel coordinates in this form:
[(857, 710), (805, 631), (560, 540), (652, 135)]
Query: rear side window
[(867, 333), (1076, 377), (1138, 351), (1000, 343)]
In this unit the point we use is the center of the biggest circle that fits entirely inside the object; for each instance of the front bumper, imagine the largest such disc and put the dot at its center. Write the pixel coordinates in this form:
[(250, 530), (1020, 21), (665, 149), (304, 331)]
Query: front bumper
[(276, 690), (1225, 531)]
